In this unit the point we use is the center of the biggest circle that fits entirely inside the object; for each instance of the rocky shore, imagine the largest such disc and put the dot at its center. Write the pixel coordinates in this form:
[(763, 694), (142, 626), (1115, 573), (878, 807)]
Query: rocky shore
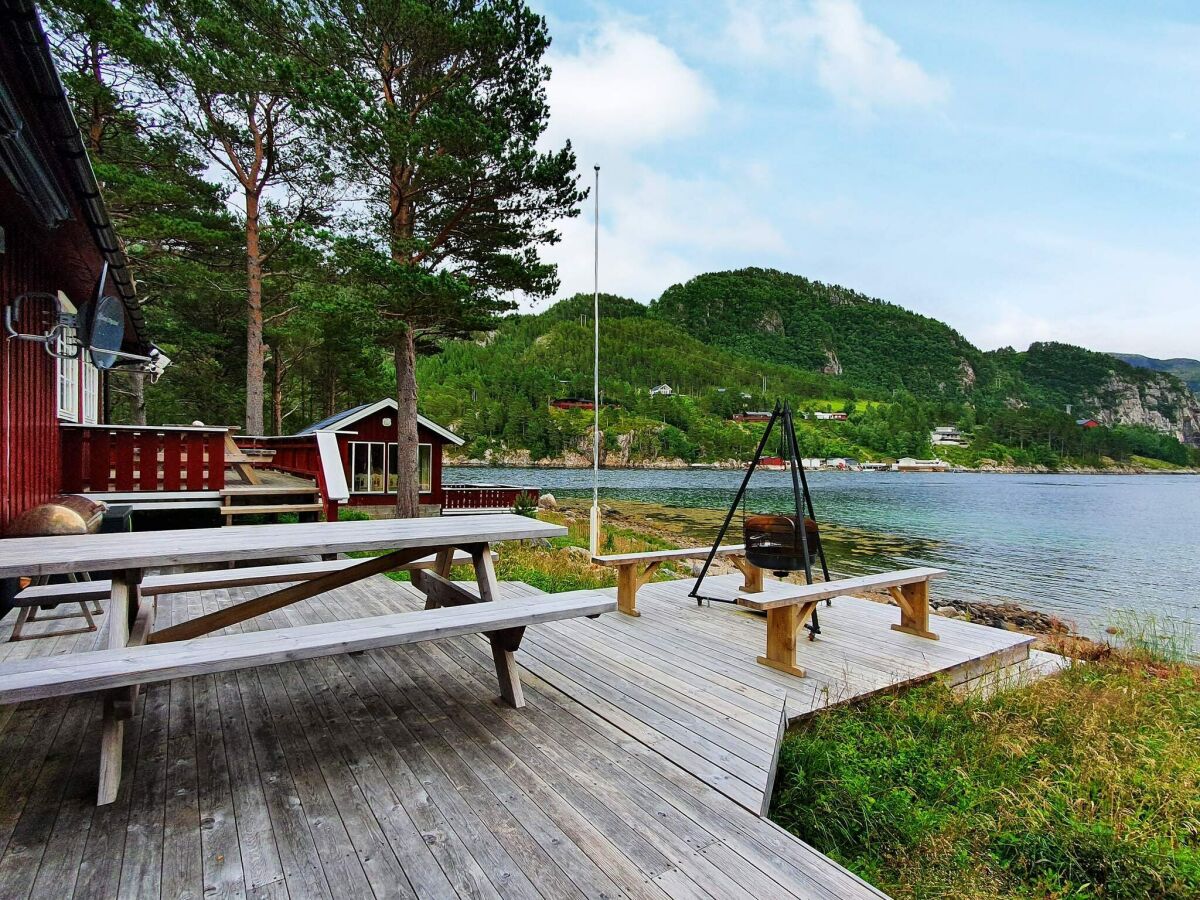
[(520, 459)]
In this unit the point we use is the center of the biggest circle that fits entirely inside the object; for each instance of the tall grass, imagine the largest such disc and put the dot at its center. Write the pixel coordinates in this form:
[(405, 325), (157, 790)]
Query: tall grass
[(1154, 638), (1086, 784)]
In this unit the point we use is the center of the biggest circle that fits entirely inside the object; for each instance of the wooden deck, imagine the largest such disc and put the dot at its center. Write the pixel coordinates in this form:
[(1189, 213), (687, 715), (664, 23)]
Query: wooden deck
[(683, 679), (397, 773)]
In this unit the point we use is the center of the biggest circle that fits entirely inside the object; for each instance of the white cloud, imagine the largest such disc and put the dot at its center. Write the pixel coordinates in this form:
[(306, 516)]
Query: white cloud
[(658, 229), (624, 88), (855, 62)]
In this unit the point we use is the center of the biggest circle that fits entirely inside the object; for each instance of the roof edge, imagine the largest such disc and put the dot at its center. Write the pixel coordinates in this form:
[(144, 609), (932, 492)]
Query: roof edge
[(22, 20), (352, 416)]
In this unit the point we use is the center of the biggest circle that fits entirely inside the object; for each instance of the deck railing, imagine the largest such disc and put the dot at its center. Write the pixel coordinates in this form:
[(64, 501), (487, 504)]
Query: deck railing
[(484, 497), (100, 458), (311, 455)]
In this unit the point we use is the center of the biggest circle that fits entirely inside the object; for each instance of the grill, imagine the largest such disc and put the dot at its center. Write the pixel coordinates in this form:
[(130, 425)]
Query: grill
[(774, 543)]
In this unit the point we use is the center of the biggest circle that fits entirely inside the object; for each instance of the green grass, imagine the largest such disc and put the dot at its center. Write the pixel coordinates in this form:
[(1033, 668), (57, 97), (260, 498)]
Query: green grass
[(1084, 784), (1156, 465)]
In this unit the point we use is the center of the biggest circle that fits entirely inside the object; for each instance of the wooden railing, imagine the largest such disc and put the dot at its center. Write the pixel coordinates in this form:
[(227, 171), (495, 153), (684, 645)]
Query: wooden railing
[(484, 497), (311, 455), (99, 458)]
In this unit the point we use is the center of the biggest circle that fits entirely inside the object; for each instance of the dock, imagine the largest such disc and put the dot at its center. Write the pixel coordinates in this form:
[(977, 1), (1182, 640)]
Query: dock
[(642, 765)]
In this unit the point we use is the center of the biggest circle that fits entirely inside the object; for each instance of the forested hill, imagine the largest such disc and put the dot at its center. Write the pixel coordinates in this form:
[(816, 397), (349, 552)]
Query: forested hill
[(879, 346), (729, 342), (788, 319)]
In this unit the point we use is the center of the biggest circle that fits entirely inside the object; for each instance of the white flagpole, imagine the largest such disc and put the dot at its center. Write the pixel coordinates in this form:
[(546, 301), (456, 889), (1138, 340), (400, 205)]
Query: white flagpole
[(594, 531)]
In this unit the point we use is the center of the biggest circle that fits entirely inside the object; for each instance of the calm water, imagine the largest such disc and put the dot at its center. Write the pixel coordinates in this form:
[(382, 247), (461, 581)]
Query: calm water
[(1079, 546)]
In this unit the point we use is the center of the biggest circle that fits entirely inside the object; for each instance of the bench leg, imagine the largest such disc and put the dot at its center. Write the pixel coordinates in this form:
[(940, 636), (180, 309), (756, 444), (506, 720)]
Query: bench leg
[(783, 624), (504, 647), (627, 586), (629, 579), (752, 575), (913, 600)]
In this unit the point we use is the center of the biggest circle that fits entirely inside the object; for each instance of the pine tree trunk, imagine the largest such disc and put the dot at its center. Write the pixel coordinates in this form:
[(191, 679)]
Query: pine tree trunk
[(276, 392), (407, 497), (255, 357), (137, 400)]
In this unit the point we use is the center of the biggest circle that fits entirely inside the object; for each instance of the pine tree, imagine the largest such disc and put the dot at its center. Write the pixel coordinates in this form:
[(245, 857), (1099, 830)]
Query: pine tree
[(437, 107)]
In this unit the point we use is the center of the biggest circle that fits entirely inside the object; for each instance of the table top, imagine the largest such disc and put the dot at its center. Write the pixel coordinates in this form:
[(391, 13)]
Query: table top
[(147, 549)]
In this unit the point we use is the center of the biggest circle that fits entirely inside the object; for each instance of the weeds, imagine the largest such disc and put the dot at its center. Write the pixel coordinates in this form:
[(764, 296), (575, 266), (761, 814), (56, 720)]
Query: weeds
[(1086, 783)]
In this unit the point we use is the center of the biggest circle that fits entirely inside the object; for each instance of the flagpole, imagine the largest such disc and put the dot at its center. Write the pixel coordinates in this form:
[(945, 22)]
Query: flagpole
[(594, 530)]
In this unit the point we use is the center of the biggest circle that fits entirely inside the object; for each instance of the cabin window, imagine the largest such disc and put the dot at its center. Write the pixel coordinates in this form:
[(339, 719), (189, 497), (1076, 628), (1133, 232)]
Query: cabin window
[(368, 474), (424, 468), (91, 393), (68, 378)]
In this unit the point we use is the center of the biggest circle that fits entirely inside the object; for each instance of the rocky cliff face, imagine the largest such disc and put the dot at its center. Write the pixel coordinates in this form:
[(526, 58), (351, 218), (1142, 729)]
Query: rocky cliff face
[(1164, 404)]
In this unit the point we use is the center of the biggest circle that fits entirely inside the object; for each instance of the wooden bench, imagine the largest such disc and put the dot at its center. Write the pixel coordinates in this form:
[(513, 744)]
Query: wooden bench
[(789, 606), (504, 622), (636, 569), (182, 582)]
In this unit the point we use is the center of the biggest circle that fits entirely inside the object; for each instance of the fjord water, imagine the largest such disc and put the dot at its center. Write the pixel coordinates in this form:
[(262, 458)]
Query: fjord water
[(1088, 548)]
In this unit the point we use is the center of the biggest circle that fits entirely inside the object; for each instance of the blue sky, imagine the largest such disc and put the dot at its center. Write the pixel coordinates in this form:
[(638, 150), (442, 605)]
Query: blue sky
[(1024, 171)]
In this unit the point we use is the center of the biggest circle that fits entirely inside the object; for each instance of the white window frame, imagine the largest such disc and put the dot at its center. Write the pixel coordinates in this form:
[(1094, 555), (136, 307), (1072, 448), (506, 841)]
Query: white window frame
[(67, 378), (422, 447), (354, 451), (91, 393)]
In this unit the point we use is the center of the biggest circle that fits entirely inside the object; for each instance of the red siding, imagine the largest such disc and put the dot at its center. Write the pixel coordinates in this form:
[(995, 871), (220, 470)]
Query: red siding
[(373, 429), (29, 450)]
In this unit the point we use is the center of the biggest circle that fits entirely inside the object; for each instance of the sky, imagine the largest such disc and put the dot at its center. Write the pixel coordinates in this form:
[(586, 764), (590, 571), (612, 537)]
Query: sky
[(1022, 171)]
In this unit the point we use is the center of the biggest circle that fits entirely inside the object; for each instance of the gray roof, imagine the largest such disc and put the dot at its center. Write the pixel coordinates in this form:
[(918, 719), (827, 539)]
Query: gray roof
[(346, 418)]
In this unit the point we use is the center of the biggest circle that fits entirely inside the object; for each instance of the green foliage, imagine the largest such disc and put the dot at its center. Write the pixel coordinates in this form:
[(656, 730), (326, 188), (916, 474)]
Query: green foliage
[(782, 318), (526, 505), (1085, 784)]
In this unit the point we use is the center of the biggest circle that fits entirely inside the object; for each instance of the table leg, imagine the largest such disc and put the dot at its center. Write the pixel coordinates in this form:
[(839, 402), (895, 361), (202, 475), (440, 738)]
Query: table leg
[(783, 624), (123, 607), (485, 572)]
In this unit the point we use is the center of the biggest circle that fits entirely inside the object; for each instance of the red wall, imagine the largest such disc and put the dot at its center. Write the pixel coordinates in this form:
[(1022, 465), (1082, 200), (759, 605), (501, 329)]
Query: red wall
[(372, 429), (29, 449)]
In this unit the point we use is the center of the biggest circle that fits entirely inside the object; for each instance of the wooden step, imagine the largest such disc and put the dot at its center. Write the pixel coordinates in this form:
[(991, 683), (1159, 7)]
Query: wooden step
[(271, 509), (256, 490)]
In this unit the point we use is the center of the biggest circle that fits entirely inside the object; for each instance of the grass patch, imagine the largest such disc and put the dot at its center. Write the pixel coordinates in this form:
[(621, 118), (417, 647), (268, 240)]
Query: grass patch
[(1083, 784), (1157, 465), (558, 564)]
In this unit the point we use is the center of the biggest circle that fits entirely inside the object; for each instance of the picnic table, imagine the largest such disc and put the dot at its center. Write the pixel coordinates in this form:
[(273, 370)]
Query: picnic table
[(131, 621)]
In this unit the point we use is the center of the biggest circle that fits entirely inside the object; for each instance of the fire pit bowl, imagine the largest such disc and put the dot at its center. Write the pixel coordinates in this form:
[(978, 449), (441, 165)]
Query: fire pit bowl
[(773, 543)]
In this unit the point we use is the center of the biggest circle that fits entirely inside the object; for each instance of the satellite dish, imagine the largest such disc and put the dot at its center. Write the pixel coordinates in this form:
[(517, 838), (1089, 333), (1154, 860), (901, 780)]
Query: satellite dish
[(106, 331)]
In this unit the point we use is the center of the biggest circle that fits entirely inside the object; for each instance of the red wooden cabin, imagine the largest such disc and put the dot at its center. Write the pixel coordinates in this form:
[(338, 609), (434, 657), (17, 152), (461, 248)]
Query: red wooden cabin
[(352, 455), (58, 255)]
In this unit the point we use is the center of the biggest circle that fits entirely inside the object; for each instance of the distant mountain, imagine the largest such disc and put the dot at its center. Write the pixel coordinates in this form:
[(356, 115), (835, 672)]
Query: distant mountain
[(1180, 367), (729, 342), (879, 346), (789, 319)]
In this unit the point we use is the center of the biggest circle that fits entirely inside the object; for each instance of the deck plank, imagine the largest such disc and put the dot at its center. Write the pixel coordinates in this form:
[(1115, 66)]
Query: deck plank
[(636, 769)]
